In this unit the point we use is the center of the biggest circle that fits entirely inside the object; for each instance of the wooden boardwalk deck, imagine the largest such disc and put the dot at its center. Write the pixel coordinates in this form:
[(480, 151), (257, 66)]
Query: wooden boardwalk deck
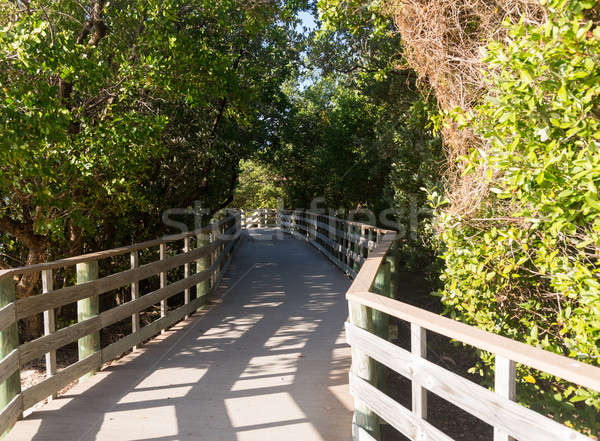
[(268, 363)]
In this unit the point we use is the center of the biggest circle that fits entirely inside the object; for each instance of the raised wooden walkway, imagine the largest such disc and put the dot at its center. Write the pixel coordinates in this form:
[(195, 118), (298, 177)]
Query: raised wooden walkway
[(270, 362)]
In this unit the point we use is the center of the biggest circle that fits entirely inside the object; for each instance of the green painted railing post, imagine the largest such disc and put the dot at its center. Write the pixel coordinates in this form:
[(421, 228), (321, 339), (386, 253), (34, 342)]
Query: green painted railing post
[(86, 309), (134, 260), (363, 366), (393, 292), (164, 308), (214, 255), (186, 273), (381, 320), (9, 341)]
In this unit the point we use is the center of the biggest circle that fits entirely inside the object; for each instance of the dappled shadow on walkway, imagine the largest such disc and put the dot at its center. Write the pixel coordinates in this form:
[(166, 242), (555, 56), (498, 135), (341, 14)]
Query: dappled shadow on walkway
[(269, 362)]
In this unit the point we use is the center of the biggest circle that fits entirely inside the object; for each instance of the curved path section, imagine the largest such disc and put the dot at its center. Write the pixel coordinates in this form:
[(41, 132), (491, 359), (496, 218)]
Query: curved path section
[(268, 362)]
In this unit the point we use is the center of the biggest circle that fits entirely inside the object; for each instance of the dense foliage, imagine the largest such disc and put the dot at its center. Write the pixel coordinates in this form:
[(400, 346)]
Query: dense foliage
[(524, 263), (112, 112), (258, 187)]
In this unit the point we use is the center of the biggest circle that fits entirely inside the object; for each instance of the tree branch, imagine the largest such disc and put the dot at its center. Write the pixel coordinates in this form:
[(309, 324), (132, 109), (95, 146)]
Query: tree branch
[(23, 232)]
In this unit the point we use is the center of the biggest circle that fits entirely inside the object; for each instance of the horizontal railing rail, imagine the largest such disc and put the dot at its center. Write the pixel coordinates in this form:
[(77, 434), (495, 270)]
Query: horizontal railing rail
[(262, 217), (204, 256)]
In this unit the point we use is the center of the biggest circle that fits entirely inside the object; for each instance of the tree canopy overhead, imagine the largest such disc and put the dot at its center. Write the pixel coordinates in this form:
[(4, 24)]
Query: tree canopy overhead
[(112, 112)]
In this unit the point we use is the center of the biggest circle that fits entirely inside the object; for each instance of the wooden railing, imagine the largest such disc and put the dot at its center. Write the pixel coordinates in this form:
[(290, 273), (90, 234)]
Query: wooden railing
[(204, 255), (358, 249), (361, 251), (262, 217), (345, 243)]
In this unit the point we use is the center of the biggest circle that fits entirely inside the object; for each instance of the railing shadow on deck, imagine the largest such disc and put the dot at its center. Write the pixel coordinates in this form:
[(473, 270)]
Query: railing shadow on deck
[(314, 324), (212, 252)]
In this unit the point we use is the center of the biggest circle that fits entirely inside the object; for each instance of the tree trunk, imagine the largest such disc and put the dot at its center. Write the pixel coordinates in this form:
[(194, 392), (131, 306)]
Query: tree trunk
[(26, 287)]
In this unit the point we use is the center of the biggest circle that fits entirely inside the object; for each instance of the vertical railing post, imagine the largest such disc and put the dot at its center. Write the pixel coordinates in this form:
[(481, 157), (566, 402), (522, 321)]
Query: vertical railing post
[(382, 286), (306, 225), (217, 235), (344, 238), (418, 346), (361, 244), (49, 324), (339, 226), (393, 261), (202, 264), (353, 246), (304, 222), (9, 341), (223, 238), (295, 221), (364, 367), (163, 282), (186, 273), (86, 309), (331, 228), (505, 385), (381, 320), (357, 248), (350, 245), (214, 255), (134, 261)]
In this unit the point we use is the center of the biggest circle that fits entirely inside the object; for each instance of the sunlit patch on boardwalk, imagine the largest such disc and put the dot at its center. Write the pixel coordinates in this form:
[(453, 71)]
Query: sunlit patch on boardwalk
[(267, 363)]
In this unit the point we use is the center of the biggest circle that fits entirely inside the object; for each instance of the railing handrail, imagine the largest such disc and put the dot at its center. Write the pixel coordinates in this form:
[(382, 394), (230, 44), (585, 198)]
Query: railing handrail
[(104, 254), (568, 369)]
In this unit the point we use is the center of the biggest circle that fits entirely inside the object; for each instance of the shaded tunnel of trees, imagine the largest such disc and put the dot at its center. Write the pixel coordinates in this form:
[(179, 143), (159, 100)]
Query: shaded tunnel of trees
[(473, 125)]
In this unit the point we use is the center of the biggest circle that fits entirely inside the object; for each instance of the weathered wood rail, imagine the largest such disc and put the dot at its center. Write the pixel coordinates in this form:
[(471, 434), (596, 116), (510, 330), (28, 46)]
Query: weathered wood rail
[(361, 250), (204, 255), (262, 217), (345, 243)]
